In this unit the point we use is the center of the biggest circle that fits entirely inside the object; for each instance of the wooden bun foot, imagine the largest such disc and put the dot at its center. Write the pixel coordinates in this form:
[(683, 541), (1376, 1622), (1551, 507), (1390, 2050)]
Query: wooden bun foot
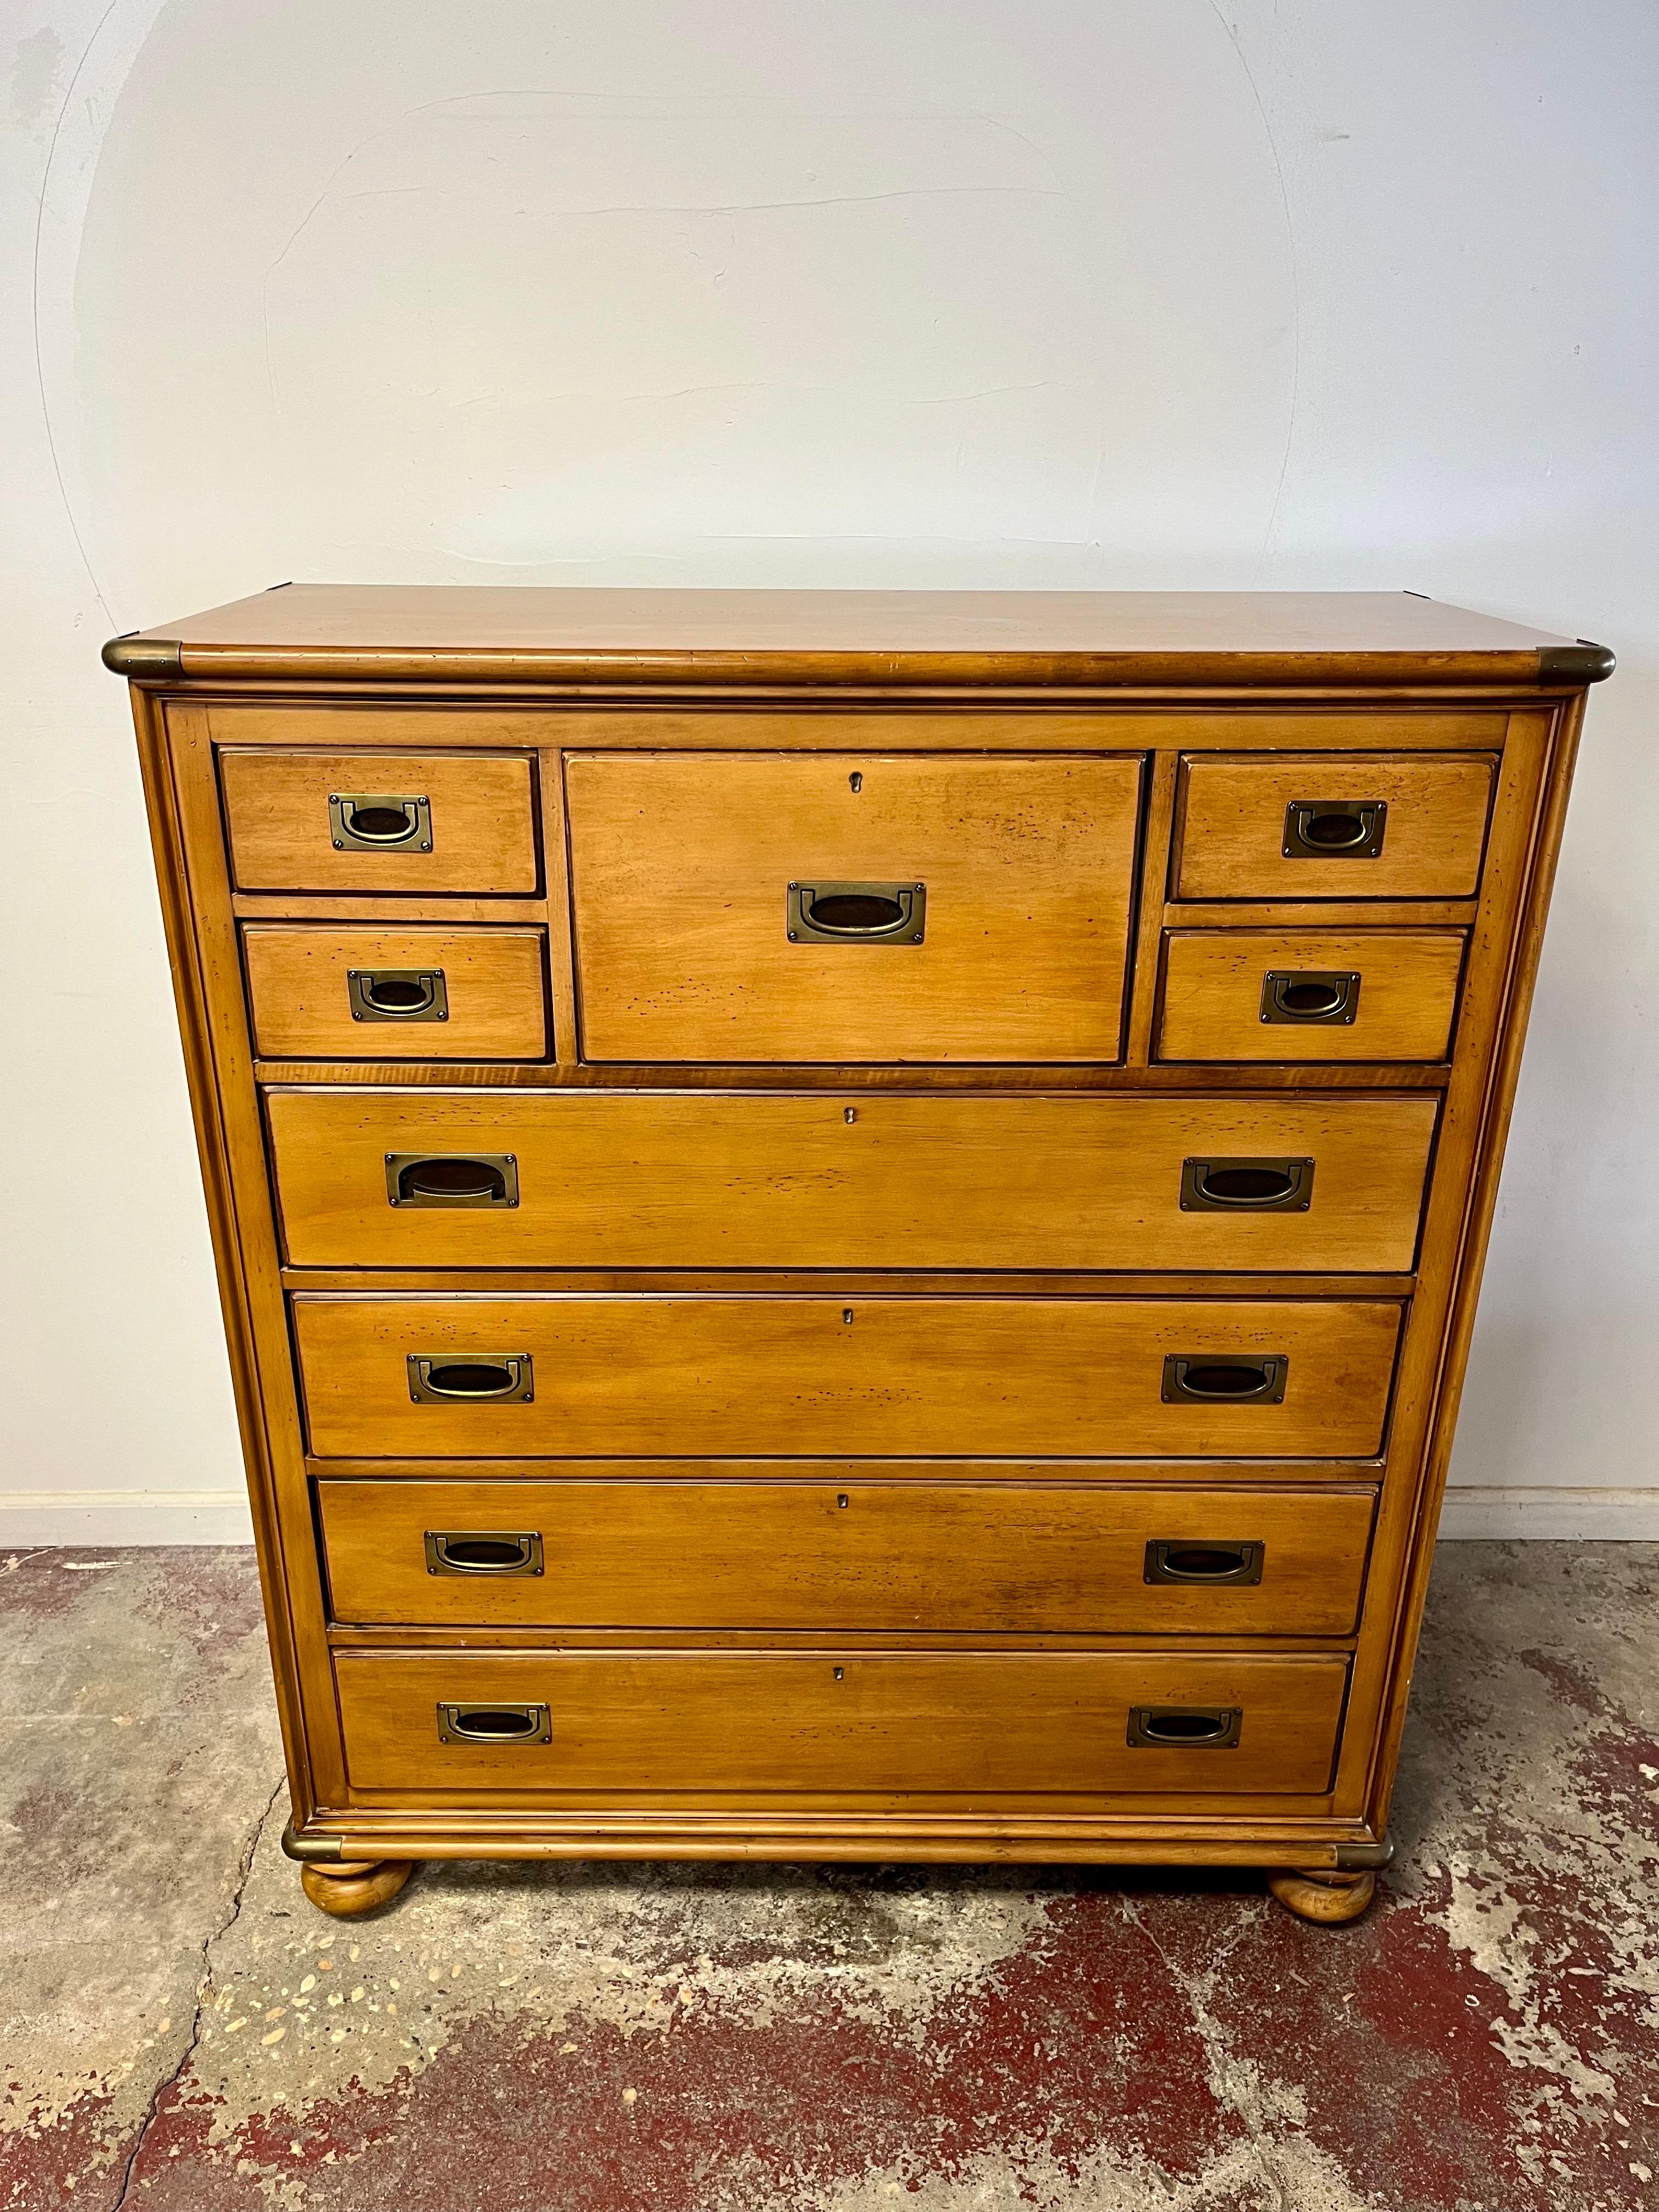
[(1320, 1894), (348, 1890)]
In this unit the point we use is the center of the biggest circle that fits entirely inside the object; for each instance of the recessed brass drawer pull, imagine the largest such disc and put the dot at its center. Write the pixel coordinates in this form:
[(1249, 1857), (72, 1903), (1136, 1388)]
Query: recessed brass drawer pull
[(445, 1179), (1225, 1564), (377, 821), (1334, 828), (495, 1724), (1185, 1727), (397, 995), (478, 1378), (483, 1552), (1246, 1186), (1225, 1378), (1308, 995), (855, 914)]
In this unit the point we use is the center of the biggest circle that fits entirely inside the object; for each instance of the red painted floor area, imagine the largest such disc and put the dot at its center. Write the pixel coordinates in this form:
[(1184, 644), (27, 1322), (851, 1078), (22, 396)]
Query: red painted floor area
[(182, 2031)]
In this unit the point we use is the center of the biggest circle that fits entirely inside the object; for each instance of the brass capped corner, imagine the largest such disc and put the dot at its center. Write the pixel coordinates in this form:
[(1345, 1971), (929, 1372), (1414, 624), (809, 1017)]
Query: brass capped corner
[(315, 1848), (145, 659), (1359, 1857), (1584, 663)]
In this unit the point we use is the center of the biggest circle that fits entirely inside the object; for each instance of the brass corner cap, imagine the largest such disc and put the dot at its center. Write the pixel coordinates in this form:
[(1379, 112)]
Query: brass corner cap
[(145, 659), (322, 1848), (1584, 663), (1355, 1858)]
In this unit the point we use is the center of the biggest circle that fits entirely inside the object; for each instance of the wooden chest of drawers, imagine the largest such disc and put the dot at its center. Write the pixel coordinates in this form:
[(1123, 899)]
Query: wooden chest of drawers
[(848, 1223)]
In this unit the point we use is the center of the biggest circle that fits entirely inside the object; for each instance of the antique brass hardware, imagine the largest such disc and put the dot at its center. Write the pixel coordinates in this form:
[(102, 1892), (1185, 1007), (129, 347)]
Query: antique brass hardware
[(1225, 1378), (494, 1723), (1310, 995), (1246, 1186), (1185, 1727), (470, 1378), (483, 1552), (377, 820), (855, 914), (444, 1179), (1334, 828), (1221, 1563), (397, 995)]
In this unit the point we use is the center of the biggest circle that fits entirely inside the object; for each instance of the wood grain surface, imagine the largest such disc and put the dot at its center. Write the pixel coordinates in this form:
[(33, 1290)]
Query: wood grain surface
[(300, 995), (1214, 984)]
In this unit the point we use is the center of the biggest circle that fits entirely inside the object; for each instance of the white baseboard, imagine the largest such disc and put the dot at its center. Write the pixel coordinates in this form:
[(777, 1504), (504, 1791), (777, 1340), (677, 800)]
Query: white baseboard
[(220, 1516), (124, 1516), (1622, 1516)]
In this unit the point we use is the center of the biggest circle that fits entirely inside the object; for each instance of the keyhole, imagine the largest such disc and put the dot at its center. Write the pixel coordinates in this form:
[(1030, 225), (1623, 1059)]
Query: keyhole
[(838, 1674), (846, 1316), (841, 1498), (851, 1114), (855, 782)]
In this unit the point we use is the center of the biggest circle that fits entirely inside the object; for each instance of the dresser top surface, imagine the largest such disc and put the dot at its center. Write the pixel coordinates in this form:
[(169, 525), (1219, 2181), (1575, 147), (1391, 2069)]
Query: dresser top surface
[(756, 635)]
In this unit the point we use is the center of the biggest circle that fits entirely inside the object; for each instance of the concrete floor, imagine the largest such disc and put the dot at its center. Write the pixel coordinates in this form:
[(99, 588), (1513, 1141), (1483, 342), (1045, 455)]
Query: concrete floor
[(179, 2030)]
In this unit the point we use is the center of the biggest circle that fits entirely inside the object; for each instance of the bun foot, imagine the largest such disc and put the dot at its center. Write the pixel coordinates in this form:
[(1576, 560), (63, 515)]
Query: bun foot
[(1319, 1894), (348, 1890)]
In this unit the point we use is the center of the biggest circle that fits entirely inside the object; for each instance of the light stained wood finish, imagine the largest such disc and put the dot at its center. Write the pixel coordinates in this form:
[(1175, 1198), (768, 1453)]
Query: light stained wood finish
[(1210, 685), (891, 1725), (276, 815), (1323, 1897), (659, 1181), (347, 1892), (298, 986), (693, 1376), (1232, 833), (1215, 987), (681, 867), (861, 1555)]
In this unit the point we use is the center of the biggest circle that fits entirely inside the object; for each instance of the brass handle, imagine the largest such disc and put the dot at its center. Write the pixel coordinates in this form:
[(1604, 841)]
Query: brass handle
[(397, 995), (855, 914), (1221, 1564), (1225, 1379), (1246, 1186), (377, 820), (1185, 1727), (1310, 995), (445, 1179), (470, 1378), (1334, 828), (483, 1552), (481, 1724)]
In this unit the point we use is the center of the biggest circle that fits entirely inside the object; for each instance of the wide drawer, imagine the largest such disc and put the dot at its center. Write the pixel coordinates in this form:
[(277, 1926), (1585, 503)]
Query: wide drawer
[(849, 907), (1039, 1557), (379, 821), (584, 1179), (702, 1376), (704, 1724), (1332, 826), (1287, 995), (415, 993)]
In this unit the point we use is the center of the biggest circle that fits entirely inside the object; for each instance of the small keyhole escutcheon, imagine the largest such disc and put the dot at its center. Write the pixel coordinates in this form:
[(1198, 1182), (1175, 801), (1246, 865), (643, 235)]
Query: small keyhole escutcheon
[(850, 1113), (855, 782), (846, 1316)]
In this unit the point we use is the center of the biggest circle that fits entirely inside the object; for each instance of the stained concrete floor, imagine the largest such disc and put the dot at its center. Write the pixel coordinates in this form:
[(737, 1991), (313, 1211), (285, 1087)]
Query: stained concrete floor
[(179, 2030)]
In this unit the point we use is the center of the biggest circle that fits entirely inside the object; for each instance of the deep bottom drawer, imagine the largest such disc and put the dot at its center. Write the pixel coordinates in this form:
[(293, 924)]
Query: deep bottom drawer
[(768, 1724), (964, 1557), (559, 1376)]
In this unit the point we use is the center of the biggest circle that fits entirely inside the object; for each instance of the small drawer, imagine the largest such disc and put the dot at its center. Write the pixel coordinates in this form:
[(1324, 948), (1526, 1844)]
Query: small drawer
[(379, 821), (633, 1374), (1377, 994), (854, 1180), (703, 1725), (851, 906), (415, 993), (1332, 826), (1043, 1559)]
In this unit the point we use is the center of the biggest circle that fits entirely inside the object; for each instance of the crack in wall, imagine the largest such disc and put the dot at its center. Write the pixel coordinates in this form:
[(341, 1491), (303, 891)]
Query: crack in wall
[(204, 1982)]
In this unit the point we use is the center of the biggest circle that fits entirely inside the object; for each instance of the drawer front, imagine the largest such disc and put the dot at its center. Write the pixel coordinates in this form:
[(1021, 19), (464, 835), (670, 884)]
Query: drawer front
[(1009, 879), (700, 1377), (1309, 994), (853, 1181), (440, 822), (1039, 1557), (363, 993), (1239, 815), (776, 1724)]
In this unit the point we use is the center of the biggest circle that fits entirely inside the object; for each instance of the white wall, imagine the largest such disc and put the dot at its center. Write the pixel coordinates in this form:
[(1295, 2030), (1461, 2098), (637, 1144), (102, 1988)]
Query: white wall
[(998, 292)]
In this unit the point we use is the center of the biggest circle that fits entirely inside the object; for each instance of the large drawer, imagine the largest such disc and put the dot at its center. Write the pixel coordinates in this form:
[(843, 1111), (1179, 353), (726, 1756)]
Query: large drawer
[(1332, 826), (849, 907), (703, 1376), (587, 1179), (704, 1724), (379, 821), (1048, 1557), (363, 993), (1308, 995)]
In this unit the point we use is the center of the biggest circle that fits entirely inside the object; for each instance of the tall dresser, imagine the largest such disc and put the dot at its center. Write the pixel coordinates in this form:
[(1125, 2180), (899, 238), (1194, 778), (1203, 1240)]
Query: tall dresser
[(849, 1222)]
